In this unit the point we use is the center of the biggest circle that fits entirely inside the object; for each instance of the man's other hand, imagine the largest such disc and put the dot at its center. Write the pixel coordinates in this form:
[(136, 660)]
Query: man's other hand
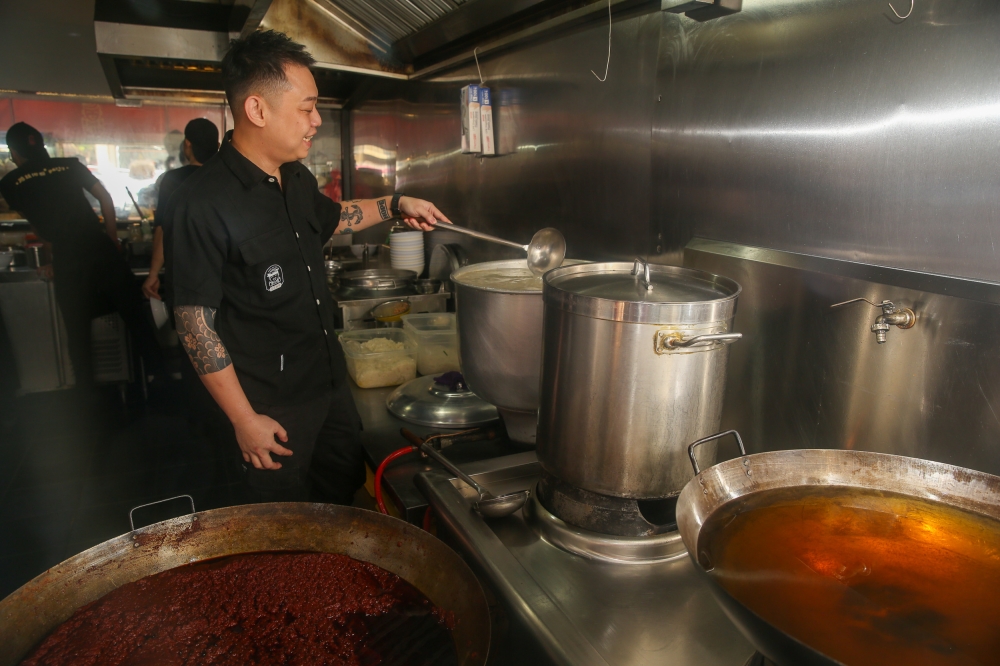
[(151, 287), (256, 437)]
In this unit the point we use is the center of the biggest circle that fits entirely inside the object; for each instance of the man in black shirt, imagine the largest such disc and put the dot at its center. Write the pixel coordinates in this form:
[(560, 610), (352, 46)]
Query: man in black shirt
[(91, 276), (250, 295), (201, 141)]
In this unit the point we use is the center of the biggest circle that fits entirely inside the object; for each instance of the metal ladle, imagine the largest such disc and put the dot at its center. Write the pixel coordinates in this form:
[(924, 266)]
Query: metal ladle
[(488, 505), (546, 250)]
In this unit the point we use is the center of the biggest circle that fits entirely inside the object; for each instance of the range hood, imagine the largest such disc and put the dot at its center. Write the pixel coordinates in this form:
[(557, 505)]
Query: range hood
[(172, 48)]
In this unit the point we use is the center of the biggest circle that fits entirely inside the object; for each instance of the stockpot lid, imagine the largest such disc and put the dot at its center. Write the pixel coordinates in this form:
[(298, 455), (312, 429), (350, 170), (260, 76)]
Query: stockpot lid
[(611, 291), (425, 402)]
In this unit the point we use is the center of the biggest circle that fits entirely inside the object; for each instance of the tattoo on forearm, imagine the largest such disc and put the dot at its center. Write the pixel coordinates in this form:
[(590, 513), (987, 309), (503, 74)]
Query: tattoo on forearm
[(196, 328), (351, 214), (383, 209)]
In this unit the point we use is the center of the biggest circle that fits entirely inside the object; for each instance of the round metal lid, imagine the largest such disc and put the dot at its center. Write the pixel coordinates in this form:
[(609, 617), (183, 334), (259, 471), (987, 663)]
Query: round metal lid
[(620, 291), (424, 402)]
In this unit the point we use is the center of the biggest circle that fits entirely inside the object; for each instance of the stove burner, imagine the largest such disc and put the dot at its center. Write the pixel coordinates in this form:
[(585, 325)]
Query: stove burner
[(643, 549), (619, 516)]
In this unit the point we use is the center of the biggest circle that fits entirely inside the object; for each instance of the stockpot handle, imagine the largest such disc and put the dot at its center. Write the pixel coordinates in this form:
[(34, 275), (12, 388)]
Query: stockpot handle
[(672, 342), (694, 461), (143, 506)]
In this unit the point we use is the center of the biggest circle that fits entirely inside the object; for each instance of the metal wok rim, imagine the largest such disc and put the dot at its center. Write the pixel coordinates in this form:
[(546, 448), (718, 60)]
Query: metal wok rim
[(31, 612), (717, 486)]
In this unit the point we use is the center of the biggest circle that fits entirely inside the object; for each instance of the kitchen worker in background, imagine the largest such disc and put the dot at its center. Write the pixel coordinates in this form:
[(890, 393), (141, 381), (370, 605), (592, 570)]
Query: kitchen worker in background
[(201, 141), (251, 303), (90, 274)]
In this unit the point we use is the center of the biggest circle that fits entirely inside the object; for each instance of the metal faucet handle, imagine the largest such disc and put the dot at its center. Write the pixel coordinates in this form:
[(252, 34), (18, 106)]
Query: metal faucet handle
[(882, 305), (891, 316)]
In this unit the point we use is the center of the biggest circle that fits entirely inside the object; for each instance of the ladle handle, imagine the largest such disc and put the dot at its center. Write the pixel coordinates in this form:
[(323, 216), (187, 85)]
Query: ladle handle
[(479, 234), (450, 466), (694, 461)]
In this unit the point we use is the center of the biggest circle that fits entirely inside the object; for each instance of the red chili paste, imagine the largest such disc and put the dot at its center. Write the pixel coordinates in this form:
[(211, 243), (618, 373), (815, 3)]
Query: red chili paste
[(258, 608)]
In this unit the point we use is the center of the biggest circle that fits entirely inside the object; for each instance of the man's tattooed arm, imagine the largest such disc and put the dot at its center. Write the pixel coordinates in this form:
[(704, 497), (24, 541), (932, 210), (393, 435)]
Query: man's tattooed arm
[(196, 328), (351, 216), (358, 214)]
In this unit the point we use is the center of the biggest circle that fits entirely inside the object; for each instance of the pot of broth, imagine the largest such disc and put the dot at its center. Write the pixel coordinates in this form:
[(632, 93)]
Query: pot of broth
[(849, 557)]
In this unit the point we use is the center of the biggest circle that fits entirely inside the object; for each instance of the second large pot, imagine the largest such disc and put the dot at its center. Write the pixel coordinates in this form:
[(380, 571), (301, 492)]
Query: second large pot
[(500, 339), (633, 370)]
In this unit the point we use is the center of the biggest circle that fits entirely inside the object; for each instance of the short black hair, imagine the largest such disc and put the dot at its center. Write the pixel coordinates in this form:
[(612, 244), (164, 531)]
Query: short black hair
[(256, 64), (204, 138), (27, 141)]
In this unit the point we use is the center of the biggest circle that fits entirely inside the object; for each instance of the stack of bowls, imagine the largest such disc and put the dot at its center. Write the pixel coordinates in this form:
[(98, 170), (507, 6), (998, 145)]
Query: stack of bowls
[(406, 250)]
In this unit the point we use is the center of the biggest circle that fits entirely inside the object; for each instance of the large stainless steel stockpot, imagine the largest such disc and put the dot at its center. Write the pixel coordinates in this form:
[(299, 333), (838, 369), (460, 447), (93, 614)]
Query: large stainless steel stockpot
[(633, 370), (500, 341)]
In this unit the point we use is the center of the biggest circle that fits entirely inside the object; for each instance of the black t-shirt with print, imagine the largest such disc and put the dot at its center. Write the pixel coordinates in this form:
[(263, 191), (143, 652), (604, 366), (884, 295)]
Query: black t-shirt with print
[(49, 193)]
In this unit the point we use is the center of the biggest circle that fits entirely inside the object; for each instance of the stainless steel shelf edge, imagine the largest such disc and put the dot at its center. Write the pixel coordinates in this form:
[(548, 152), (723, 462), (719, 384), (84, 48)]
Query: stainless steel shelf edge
[(949, 285), (553, 630)]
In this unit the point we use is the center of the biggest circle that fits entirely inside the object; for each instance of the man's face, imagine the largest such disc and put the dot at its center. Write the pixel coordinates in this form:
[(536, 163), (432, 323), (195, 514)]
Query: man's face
[(293, 116)]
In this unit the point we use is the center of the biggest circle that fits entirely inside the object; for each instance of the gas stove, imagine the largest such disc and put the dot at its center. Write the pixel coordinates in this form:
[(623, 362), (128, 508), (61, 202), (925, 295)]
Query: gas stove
[(577, 597)]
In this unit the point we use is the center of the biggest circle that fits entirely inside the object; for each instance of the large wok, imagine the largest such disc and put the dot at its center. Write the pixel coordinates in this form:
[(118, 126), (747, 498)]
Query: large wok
[(805, 469), (33, 611)]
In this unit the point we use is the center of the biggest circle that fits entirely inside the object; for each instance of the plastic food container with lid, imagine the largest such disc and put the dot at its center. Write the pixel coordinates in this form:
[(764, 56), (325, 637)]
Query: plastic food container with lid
[(436, 338), (379, 357)]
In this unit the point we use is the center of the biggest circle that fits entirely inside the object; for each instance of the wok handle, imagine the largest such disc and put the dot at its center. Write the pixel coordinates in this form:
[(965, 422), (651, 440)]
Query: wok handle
[(694, 461), (143, 506)]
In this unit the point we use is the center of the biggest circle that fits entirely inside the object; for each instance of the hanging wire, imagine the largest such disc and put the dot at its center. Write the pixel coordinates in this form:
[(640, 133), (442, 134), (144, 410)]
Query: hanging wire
[(902, 16), (481, 82), (608, 63)]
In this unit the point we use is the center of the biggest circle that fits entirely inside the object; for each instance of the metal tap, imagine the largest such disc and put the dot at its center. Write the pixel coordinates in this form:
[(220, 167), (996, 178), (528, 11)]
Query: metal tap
[(646, 281), (891, 316)]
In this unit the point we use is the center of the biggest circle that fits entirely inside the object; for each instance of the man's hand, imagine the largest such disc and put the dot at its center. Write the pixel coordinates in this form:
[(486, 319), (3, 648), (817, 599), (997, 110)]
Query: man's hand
[(255, 435), (151, 287), (419, 214)]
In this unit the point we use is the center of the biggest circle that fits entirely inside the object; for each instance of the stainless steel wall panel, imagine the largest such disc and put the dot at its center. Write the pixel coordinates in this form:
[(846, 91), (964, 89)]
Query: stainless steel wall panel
[(832, 128), (806, 376), (577, 151)]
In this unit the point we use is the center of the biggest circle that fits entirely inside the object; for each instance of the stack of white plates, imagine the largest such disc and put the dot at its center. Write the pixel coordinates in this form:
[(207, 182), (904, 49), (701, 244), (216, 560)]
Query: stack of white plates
[(406, 250)]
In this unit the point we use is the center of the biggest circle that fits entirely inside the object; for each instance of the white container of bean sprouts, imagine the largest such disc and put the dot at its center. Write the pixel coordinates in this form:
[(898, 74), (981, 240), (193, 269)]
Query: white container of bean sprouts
[(379, 357)]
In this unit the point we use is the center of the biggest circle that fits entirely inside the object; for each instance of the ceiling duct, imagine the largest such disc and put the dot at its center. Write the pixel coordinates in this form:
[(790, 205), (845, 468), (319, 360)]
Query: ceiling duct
[(167, 48)]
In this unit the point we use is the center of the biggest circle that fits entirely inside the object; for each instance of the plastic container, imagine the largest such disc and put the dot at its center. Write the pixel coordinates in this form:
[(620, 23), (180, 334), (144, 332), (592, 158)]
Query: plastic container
[(436, 340), (373, 368)]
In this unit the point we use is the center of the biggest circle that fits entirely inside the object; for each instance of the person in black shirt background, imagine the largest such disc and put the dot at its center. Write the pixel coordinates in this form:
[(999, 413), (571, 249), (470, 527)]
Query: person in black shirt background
[(90, 274), (201, 141), (252, 307)]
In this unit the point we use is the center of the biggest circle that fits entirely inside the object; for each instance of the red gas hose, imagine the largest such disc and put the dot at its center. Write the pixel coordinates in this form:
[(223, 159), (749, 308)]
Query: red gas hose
[(398, 453)]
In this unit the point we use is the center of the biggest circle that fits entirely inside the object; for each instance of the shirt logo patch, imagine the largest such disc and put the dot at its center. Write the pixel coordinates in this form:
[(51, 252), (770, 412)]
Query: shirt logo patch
[(273, 278)]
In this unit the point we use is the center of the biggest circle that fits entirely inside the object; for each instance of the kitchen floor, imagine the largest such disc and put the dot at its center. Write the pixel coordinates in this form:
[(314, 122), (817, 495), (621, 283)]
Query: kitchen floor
[(73, 467)]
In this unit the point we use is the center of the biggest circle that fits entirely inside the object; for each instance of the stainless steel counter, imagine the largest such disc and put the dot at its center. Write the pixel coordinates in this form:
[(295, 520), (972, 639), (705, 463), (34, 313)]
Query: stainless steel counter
[(583, 612)]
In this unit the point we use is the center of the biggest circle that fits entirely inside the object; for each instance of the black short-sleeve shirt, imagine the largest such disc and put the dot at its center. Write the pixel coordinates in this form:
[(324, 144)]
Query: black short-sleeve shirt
[(254, 250), (49, 193), (169, 182)]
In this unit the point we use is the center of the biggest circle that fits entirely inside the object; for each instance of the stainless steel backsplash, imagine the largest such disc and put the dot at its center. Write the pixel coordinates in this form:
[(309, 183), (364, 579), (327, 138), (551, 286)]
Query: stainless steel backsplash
[(827, 128)]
